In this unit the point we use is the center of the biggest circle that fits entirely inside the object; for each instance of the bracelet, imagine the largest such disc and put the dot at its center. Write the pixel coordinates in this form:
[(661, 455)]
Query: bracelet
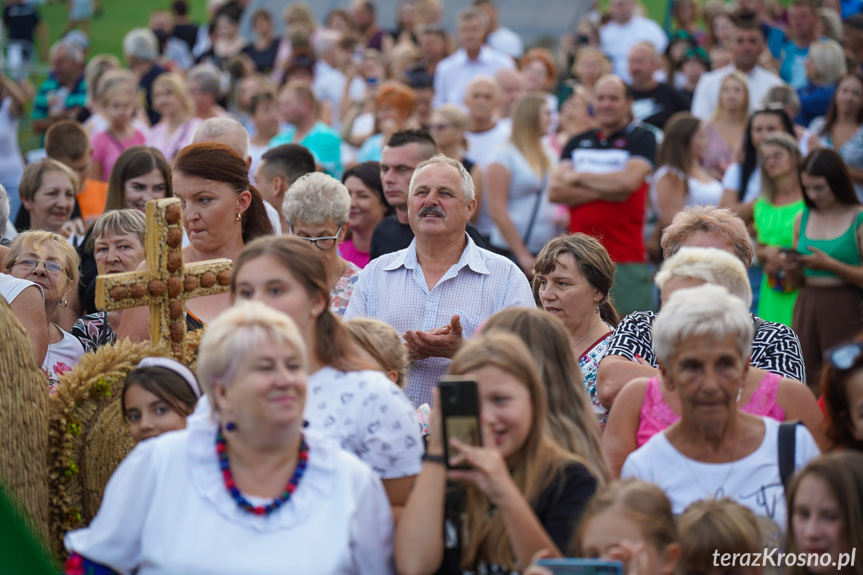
[(440, 459)]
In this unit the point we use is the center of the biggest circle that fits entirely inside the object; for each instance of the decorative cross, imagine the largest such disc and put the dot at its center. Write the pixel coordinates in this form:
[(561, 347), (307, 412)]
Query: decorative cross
[(166, 284)]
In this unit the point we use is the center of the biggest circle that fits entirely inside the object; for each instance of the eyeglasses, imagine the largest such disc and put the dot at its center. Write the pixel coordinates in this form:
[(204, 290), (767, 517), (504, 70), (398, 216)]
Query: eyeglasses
[(325, 243), (29, 264), (844, 355)]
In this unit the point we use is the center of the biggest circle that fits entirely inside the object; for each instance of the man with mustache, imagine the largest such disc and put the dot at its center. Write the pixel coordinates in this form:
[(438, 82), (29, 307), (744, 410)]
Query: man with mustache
[(440, 288)]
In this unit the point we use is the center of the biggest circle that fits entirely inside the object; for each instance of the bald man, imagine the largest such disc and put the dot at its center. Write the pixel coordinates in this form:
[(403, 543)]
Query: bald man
[(602, 176), (511, 89), (653, 102)]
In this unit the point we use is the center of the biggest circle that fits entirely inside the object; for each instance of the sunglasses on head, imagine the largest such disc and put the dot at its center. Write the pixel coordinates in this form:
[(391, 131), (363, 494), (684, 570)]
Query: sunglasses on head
[(844, 355)]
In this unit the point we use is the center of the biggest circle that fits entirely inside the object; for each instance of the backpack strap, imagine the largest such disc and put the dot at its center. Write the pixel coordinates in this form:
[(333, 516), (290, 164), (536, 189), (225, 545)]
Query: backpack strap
[(786, 443)]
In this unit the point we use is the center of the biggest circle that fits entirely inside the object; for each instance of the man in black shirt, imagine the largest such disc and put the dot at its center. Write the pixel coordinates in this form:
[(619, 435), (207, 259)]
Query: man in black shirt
[(401, 155), (184, 29), (653, 102)]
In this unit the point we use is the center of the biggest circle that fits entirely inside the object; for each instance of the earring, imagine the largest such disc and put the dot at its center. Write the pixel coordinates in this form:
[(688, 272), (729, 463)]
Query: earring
[(230, 426), (739, 393), (596, 308), (64, 303), (239, 216)]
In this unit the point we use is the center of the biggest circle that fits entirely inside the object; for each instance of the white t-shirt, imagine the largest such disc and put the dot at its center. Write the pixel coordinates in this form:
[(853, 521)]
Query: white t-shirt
[(166, 510), (62, 357), (752, 481), (617, 39), (367, 415), (731, 181), (507, 42), (11, 287), (524, 184), (479, 148)]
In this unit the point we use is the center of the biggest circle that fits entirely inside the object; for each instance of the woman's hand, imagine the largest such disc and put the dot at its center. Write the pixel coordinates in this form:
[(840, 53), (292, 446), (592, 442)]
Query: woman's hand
[(489, 471), (771, 259), (535, 569), (817, 261), (632, 555)]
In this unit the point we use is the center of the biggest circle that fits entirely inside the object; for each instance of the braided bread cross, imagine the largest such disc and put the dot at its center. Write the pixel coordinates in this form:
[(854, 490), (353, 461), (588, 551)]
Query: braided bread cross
[(166, 284)]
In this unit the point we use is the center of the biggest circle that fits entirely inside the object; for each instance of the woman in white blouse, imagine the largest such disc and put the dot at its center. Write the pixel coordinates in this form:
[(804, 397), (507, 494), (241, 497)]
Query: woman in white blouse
[(244, 489)]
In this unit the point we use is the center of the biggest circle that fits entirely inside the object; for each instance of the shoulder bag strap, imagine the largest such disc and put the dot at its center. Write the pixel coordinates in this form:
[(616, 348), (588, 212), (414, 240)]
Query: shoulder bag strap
[(535, 211), (786, 443)]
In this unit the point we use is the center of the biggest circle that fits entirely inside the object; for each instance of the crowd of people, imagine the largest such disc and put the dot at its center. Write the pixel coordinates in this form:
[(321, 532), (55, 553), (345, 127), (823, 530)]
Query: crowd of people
[(642, 244)]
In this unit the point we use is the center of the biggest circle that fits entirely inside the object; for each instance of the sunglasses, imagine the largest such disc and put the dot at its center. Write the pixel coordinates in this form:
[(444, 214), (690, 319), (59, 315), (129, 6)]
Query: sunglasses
[(844, 355)]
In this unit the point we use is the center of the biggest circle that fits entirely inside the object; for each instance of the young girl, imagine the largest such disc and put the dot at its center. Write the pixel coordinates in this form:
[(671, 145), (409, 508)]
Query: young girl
[(718, 526), (842, 389), (383, 344), (117, 96), (824, 503), (536, 489), (158, 396)]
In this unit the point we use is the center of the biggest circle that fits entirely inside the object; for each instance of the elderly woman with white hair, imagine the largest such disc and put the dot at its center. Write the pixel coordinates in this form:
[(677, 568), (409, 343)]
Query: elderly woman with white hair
[(316, 207), (703, 338), (644, 407), (244, 488), (825, 65)]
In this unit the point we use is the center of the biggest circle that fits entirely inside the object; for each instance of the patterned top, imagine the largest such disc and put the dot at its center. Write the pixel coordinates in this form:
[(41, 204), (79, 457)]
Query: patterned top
[(61, 357), (50, 89), (94, 331), (851, 151), (393, 289), (589, 363), (775, 347), (717, 155), (341, 294)]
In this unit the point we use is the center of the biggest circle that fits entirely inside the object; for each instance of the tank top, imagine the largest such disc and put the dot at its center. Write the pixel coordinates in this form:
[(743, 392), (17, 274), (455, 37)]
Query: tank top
[(698, 193), (656, 415), (843, 248)]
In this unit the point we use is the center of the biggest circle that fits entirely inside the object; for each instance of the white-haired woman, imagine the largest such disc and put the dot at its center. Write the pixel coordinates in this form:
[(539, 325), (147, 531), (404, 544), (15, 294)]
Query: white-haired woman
[(703, 338), (317, 207), (824, 66), (645, 407), (244, 488)]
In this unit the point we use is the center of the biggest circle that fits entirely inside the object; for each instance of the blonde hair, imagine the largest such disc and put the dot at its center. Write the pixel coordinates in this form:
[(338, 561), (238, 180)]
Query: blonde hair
[(738, 76), (33, 239), (456, 117), (709, 526), (712, 265), (383, 343), (587, 51), (526, 136), (31, 179), (712, 220), (642, 503), (829, 60), (114, 81), (234, 334), (177, 86), (788, 143), (533, 467)]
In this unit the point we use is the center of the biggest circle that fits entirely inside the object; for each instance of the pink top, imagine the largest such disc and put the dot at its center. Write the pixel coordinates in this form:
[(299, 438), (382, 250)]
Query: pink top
[(171, 146), (107, 148), (353, 255), (656, 415), (716, 156)]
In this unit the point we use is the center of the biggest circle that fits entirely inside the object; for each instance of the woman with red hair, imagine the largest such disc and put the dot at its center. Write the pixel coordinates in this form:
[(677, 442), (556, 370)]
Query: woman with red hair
[(394, 107), (540, 74)]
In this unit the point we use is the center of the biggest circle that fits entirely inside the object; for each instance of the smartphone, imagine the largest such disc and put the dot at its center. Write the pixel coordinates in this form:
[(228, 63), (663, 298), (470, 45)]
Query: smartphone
[(789, 252), (574, 566), (459, 405)]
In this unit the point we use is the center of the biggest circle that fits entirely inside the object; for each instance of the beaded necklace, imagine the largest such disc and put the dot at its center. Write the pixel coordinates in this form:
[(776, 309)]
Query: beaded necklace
[(228, 477)]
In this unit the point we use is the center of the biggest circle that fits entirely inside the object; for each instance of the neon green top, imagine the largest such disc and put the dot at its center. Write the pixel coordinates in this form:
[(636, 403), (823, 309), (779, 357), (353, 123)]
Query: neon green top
[(842, 248)]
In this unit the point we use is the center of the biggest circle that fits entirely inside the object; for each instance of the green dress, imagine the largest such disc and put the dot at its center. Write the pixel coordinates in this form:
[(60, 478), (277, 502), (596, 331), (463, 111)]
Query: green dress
[(775, 227)]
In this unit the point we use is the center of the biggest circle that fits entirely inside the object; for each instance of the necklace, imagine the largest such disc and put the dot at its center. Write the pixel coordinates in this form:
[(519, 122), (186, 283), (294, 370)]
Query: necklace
[(575, 345), (228, 477), (716, 493)]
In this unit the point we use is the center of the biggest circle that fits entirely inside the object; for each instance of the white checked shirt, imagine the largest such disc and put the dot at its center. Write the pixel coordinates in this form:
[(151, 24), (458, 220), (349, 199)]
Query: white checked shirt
[(393, 289)]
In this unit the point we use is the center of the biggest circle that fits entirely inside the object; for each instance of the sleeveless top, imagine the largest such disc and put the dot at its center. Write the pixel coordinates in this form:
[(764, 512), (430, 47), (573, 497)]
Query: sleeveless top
[(698, 193), (656, 415), (843, 248)]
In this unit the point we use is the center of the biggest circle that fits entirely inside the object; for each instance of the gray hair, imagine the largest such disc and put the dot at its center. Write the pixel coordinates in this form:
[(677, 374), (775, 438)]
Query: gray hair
[(212, 130), (714, 266), (207, 77), (5, 208), (141, 44), (829, 60), (72, 50), (466, 180), (326, 40), (707, 310), (317, 198), (235, 334), (119, 223)]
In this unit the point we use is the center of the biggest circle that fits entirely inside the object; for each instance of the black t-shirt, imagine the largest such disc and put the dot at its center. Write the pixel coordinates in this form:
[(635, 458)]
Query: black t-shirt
[(657, 105), (263, 59), (188, 33), (391, 235), (558, 509), (21, 19), (146, 86)]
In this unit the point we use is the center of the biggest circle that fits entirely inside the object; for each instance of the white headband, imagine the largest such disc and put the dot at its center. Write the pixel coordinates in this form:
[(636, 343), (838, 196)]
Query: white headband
[(176, 367)]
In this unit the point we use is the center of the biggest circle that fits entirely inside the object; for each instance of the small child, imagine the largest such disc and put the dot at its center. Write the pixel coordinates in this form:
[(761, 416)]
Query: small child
[(158, 396), (117, 98), (383, 344)]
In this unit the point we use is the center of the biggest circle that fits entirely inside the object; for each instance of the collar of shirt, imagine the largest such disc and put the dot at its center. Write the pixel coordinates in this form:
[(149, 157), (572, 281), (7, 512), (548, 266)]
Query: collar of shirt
[(470, 257), (485, 56)]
